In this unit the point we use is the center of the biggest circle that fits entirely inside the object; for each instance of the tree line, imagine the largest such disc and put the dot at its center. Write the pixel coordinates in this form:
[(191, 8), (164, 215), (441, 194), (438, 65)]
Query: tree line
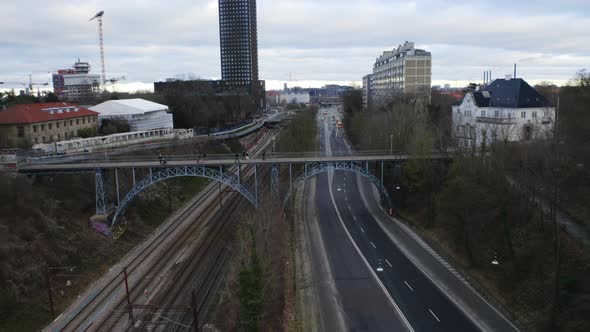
[(494, 210)]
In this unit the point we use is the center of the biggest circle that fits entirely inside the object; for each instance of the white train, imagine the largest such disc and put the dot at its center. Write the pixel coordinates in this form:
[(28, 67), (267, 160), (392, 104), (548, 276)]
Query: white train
[(112, 141)]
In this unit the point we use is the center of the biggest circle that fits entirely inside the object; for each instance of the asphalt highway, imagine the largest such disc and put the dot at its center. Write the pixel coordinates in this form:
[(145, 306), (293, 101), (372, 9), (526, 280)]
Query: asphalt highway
[(422, 303), (362, 301)]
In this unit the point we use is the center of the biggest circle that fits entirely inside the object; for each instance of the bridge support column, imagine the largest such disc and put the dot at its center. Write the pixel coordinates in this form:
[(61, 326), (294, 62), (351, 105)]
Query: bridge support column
[(117, 185), (256, 183), (101, 199), (290, 177), (382, 183), (274, 183)]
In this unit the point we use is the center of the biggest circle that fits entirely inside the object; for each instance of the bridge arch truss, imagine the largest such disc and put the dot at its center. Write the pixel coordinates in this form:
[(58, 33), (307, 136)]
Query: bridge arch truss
[(315, 168), (160, 174)]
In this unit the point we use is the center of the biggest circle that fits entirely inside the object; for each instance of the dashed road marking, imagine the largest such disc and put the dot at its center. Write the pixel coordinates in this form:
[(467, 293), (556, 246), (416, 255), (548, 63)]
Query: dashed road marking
[(433, 315), (410, 287), (373, 245), (362, 230), (388, 263)]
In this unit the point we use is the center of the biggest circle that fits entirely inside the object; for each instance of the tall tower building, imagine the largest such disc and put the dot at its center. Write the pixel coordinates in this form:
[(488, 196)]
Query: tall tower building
[(239, 42)]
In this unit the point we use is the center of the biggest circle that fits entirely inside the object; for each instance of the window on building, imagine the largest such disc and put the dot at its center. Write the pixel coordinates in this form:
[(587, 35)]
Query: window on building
[(71, 122), (42, 127), (57, 125), (36, 140), (523, 115), (483, 114), (50, 126), (534, 114), (58, 137), (21, 131), (497, 114), (77, 121), (43, 139), (34, 128)]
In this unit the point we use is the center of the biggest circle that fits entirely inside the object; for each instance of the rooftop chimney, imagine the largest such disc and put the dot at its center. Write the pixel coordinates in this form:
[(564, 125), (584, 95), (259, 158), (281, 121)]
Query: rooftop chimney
[(515, 70)]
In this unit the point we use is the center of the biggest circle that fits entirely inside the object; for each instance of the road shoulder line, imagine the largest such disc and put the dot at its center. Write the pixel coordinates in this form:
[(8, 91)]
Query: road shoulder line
[(461, 303), (397, 308)]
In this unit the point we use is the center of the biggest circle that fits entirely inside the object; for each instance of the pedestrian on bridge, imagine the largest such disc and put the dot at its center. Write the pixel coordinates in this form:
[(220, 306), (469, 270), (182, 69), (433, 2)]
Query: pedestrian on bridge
[(237, 158)]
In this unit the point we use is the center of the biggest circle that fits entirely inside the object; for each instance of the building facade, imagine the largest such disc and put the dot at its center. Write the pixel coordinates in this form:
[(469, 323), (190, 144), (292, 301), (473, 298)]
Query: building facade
[(239, 41), (294, 97), (28, 124), (76, 83), (503, 110), (403, 70)]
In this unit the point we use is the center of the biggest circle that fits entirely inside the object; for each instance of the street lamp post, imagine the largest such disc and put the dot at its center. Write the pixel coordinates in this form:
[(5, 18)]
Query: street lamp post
[(391, 143)]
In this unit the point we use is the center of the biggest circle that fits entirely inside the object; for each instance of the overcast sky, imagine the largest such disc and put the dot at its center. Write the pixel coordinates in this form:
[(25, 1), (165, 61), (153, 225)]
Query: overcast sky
[(316, 41)]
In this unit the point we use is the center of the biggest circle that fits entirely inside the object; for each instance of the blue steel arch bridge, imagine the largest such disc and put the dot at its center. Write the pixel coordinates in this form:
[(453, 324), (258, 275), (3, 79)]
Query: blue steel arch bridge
[(119, 180)]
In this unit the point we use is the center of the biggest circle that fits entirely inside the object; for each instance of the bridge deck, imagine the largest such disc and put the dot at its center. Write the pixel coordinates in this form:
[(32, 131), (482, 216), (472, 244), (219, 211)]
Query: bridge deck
[(63, 164)]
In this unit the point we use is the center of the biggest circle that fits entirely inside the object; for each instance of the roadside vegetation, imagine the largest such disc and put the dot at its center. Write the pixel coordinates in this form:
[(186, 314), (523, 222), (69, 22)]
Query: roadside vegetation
[(301, 134), (258, 293), (492, 211)]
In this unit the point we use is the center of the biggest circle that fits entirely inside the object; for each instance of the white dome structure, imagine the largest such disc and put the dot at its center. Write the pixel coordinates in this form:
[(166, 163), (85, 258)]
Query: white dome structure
[(141, 114)]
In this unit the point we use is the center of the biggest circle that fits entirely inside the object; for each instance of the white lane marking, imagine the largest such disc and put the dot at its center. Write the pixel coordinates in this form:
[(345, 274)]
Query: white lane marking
[(373, 245), (433, 315), (410, 287), (388, 263), (362, 230), (358, 250), (354, 217)]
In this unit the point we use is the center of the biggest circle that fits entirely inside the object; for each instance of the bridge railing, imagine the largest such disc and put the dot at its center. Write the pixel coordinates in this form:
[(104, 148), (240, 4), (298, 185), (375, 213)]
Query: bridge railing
[(227, 157)]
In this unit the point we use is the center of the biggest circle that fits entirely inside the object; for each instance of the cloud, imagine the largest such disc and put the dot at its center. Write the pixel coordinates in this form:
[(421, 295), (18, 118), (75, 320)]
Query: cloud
[(315, 41)]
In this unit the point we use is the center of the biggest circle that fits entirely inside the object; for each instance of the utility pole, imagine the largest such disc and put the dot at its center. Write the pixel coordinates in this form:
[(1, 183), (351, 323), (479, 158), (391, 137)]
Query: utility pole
[(128, 297), (50, 293)]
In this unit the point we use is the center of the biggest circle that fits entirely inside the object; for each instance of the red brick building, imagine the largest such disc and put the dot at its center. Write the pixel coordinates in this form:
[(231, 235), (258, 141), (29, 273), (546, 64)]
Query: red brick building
[(28, 124)]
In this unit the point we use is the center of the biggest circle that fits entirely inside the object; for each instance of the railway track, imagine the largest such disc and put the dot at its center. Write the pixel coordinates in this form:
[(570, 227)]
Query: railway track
[(85, 317)]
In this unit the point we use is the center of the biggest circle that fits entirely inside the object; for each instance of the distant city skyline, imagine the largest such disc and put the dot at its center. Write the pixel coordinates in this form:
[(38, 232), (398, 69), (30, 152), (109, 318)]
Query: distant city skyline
[(332, 41)]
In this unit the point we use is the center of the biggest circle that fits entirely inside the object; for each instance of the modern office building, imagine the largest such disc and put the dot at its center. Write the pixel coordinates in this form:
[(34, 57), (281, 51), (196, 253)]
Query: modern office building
[(76, 83), (239, 60), (239, 41), (403, 70)]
